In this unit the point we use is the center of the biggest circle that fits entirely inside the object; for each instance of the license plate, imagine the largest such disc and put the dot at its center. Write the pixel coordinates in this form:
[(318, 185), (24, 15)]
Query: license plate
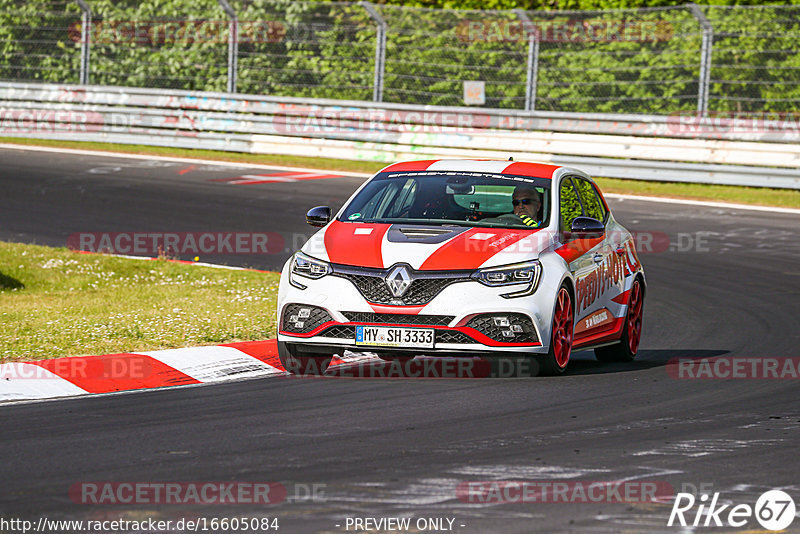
[(394, 336)]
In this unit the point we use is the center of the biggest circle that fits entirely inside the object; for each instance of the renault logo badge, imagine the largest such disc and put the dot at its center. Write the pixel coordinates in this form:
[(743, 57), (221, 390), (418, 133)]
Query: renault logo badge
[(398, 280)]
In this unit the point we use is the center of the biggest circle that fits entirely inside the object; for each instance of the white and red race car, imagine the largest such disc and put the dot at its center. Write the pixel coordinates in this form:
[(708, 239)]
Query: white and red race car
[(464, 258)]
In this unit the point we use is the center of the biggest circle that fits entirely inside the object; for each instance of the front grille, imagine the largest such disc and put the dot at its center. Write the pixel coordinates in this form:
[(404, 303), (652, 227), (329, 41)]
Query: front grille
[(505, 327), (339, 332), (398, 318), (302, 318), (424, 287), (453, 336), (372, 288), (423, 290)]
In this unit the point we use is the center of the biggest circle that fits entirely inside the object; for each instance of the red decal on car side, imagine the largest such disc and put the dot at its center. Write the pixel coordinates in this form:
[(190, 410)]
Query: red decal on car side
[(611, 332), (574, 249), (622, 298)]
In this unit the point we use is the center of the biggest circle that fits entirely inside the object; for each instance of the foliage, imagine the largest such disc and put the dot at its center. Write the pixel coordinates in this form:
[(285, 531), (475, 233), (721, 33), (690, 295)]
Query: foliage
[(629, 61)]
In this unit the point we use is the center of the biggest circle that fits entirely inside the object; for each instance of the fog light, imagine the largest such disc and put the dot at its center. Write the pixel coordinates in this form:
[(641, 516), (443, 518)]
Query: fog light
[(516, 328), (501, 321), (303, 318), (508, 333)]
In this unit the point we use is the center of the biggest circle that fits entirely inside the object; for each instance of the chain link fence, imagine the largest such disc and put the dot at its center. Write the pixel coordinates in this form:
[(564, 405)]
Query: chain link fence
[(688, 59), (755, 59)]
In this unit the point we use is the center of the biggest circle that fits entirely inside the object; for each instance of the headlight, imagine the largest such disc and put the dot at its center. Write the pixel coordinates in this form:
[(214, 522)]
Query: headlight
[(517, 273), (308, 267)]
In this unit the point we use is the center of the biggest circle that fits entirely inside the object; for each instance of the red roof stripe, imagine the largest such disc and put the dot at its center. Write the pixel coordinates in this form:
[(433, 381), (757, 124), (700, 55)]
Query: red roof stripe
[(537, 170), (410, 165)]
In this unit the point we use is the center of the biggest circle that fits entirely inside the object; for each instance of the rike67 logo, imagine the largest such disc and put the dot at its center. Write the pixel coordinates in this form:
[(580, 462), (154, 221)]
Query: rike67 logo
[(774, 510)]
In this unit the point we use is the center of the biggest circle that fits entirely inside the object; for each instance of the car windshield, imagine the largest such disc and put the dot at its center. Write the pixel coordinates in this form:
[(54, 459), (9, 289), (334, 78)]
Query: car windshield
[(446, 197)]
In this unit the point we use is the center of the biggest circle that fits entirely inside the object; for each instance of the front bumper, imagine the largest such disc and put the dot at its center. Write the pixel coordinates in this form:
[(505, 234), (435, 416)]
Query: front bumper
[(468, 319)]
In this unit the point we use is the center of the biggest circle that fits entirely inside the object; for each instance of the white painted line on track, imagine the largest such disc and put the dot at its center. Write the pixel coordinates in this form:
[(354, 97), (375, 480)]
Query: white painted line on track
[(242, 164), (180, 262), (708, 203), (665, 200)]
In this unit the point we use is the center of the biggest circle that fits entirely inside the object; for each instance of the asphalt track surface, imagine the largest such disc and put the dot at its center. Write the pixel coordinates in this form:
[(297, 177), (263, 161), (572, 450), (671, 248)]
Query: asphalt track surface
[(400, 447)]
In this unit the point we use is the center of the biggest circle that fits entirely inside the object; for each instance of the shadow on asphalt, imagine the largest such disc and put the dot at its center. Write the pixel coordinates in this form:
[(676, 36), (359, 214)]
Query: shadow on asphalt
[(582, 363)]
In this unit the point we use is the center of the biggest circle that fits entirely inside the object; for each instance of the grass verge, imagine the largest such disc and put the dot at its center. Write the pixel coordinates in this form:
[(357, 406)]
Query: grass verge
[(784, 198), (55, 302)]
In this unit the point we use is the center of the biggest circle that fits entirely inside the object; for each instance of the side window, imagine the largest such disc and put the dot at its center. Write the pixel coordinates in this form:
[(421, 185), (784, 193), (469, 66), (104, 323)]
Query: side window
[(570, 204), (591, 202)]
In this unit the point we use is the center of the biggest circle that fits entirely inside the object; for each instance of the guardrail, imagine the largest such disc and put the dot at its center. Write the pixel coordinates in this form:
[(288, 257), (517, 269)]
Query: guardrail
[(681, 148)]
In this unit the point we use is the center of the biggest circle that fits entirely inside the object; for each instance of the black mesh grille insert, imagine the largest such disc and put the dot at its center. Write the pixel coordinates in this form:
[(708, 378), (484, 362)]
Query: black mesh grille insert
[(339, 332), (423, 290), (302, 318), (424, 287), (505, 327), (373, 288), (398, 318), (451, 336)]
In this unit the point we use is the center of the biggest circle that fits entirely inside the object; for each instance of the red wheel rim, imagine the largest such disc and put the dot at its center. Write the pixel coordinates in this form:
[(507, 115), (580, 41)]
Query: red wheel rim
[(634, 318), (562, 328)]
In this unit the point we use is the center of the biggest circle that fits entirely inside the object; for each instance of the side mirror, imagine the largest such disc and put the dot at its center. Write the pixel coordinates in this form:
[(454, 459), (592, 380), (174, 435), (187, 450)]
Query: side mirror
[(319, 216), (587, 227)]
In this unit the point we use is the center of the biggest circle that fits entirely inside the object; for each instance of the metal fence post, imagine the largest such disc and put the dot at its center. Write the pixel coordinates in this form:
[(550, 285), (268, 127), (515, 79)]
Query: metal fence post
[(86, 33), (705, 59), (233, 44), (532, 70), (380, 51)]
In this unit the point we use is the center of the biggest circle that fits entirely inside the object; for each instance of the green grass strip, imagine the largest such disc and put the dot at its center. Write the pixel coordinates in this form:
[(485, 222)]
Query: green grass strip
[(55, 302)]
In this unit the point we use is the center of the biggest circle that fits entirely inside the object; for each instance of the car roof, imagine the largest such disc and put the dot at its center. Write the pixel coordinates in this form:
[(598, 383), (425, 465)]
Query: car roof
[(516, 168)]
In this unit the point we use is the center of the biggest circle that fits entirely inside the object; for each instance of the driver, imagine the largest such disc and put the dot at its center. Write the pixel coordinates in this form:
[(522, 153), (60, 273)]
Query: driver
[(527, 202)]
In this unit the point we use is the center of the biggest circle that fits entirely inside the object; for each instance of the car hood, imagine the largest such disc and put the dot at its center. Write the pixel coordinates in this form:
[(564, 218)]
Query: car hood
[(429, 248)]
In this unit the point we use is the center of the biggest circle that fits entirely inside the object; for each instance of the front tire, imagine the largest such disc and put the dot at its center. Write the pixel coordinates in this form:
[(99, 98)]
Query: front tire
[(298, 363), (561, 335), (625, 350)]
